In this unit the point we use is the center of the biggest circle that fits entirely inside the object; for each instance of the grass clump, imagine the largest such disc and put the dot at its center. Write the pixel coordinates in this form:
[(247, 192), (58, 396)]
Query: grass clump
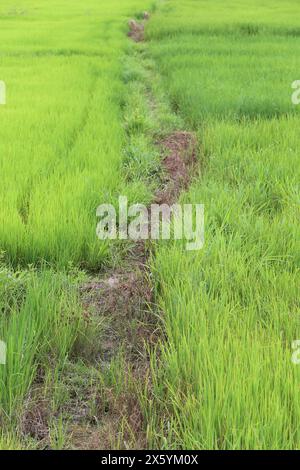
[(40, 320)]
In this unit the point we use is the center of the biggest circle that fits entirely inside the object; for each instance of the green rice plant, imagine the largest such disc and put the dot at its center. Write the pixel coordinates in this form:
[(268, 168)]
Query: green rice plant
[(230, 76), (58, 435), (62, 144), (201, 17), (225, 379), (9, 441), (61, 133), (39, 326)]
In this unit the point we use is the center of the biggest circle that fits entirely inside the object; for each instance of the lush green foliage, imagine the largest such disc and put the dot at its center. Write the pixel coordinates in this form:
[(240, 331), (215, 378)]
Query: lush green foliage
[(77, 130), (61, 155), (201, 17), (61, 135), (40, 318), (232, 309)]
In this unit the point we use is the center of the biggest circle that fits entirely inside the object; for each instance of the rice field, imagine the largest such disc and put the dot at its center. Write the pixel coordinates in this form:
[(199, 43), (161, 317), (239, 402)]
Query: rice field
[(61, 133), (85, 108), (232, 310), (61, 151)]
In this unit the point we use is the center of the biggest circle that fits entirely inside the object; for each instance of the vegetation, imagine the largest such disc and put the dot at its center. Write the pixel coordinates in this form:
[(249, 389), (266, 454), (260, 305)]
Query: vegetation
[(85, 108), (62, 141), (61, 131), (232, 310)]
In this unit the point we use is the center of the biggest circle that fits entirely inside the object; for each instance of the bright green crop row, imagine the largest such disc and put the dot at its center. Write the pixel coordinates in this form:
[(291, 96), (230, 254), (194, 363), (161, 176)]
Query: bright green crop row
[(61, 135), (232, 309), (61, 153)]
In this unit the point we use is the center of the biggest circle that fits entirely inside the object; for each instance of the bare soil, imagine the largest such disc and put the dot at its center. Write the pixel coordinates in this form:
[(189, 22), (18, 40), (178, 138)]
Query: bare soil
[(136, 29), (126, 297), (179, 164)]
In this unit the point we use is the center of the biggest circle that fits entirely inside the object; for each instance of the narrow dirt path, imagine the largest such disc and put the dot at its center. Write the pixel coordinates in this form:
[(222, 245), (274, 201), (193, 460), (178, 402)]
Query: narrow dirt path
[(125, 297), (104, 385)]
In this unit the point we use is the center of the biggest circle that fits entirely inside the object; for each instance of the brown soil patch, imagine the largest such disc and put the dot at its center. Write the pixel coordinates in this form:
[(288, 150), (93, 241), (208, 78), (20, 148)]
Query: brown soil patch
[(113, 429), (34, 422), (137, 30), (125, 296), (179, 165)]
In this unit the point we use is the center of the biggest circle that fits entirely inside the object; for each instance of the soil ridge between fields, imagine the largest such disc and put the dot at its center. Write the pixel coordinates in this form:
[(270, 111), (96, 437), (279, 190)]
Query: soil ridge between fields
[(127, 292)]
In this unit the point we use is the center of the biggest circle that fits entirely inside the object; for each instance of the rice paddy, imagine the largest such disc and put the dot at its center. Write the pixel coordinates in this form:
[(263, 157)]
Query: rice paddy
[(61, 132), (85, 108), (232, 310), (62, 141)]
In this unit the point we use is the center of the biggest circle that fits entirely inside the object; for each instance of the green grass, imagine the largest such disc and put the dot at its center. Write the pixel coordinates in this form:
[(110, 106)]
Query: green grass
[(232, 310), (61, 133), (234, 75), (62, 144), (83, 109), (201, 17), (41, 317)]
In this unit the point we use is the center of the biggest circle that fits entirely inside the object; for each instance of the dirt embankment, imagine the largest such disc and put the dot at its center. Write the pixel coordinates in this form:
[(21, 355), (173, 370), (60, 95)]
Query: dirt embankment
[(126, 296), (137, 29), (123, 300)]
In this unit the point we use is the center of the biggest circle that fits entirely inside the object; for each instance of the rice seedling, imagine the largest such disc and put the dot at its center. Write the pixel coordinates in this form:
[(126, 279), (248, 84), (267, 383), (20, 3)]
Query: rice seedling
[(61, 130), (231, 310), (61, 155), (84, 107), (40, 320)]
